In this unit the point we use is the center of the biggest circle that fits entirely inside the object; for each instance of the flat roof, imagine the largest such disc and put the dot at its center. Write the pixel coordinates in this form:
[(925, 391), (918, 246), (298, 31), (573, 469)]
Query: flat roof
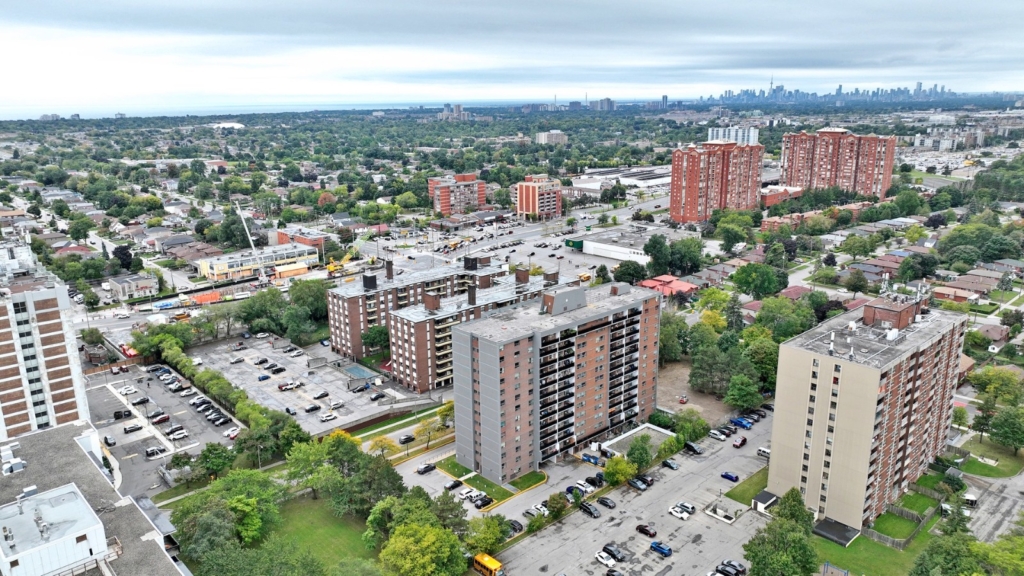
[(62, 510), (355, 288), (263, 252), (872, 346), (505, 288), (525, 320), (62, 455)]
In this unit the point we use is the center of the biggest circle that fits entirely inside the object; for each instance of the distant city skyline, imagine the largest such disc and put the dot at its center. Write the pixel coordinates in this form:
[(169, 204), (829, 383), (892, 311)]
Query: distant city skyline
[(160, 57)]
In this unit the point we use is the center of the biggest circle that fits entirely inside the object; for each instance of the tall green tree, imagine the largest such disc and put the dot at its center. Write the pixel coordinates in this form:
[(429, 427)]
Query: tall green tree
[(640, 452), (781, 548), (982, 421), (756, 280), (1008, 428), (660, 255), (415, 550), (376, 337), (731, 236), (487, 533), (856, 282), (734, 314), (791, 507), (630, 272), (743, 393), (617, 470), (947, 554), (311, 294), (216, 458)]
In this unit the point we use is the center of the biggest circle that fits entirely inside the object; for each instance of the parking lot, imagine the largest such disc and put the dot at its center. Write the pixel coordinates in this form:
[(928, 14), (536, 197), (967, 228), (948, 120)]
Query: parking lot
[(246, 375), (139, 472), (698, 544)]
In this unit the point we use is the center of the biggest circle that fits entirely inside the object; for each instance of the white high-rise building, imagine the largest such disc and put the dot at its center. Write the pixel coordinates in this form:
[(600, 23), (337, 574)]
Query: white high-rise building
[(736, 134)]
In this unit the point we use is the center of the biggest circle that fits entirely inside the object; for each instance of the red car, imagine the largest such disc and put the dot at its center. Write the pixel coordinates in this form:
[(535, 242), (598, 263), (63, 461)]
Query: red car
[(739, 442), (683, 399), (646, 530)]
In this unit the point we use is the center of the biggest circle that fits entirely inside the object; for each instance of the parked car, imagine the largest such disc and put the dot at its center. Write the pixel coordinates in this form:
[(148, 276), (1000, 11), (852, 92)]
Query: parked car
[(161, 419), (231, 430), (406, 439), (736, 565), (157, 412), (670, 464), (237, 360), (179, 435), (590, 510), (768, 407), (606, 502), (614, 551), (639, 485), (321, 394), (726, 570), (661, 548), (646, 479), (109, 441), (717, 435), (377, 396), (752, 416), (587, 488), (262, 377), (270, 366), (140, 401), (687, 507), (462, 495), (692, 448), (262, 335), (325, 342), (646, 530), (261, 361), (732, 429), (126, 390), (730, 476), (594, 481), (328, 417), (482, 502), (311, 408), (725, 432), (739, 442), (679, 512), (453, 485), (746, 425), (189, 392), (605, 559), (296, 354), (278, 370), (289, 410), (516, 526), (246, 335)]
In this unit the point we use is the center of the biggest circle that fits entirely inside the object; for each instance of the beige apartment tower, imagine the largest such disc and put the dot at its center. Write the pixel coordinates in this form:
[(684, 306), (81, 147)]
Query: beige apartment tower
[(863, 405)]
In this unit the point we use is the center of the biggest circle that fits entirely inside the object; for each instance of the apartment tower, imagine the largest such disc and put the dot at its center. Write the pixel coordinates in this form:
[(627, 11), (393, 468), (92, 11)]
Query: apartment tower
[(457, 194), (41, 381), (837, 157), (535, 382), (863, 404), (539, 194), (714, 175)]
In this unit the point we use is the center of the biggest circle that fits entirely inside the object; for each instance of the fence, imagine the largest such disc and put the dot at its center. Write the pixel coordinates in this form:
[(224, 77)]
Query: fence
[(900, 544), (959, 451), (928, 492), (903, 513), (98, 369)]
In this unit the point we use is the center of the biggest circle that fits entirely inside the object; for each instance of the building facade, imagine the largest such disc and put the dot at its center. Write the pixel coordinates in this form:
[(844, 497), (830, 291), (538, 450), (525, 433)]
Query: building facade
[(457, 194), (535, 382), (837, 157), (421, 342), (737, 134), (246, 264), (41, 381), (133, 286), (552, 137), (863, 404), (712, 176), (354, 308), (540, 195)]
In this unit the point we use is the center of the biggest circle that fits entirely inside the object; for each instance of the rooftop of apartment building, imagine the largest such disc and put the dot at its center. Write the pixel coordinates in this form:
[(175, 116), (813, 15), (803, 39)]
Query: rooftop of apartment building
[(583, 304), (36, 518), (412, 277), (503, 289), (61, 456), (278, 251), (898, 324), (21, 272)]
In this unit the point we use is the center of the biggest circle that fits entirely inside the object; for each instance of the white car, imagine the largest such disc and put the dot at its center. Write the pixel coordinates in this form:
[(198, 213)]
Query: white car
[(605, 559), (587, 488), (328, 417), (465, 493), (337, 404), (472, 496), (197, 361), (262, 335), (297, 353), (195, 400), (678, 512), (188, 393), (126, 390), (717, 435), (541, 508), (121, 315), (179, 435), (231, 430)]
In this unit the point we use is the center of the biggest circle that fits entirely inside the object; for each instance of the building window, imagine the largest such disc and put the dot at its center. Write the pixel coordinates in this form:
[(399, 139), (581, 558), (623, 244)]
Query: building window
[(20, 308), (810, 422), (815, 363), (838, 368), (81, 538)]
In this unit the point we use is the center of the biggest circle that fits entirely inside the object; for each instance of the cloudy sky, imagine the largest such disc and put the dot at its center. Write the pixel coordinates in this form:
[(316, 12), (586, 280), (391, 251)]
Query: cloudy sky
[(98, 57)]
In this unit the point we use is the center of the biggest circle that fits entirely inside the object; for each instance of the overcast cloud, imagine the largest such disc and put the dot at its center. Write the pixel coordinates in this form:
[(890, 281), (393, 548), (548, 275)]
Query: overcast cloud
[(149, 56)]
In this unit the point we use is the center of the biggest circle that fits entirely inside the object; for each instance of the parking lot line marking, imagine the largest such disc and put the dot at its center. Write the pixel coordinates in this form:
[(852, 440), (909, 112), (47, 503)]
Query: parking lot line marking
[(131, 456), (180, 413)]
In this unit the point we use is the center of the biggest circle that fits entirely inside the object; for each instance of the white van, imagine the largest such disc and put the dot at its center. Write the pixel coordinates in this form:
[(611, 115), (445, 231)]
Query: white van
[(762, 451)]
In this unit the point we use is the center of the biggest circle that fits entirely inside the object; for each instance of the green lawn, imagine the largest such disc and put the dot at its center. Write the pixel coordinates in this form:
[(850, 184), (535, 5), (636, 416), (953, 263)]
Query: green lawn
[(393, 424), (529, 480), (930, 481), (745, 491), (178, 490), (894, 526), (1018, 301), (311, 524), (485, 485), (984, 308), (1001, 296), (452, 467), (917, 502), (869, 558), (1009, 464)]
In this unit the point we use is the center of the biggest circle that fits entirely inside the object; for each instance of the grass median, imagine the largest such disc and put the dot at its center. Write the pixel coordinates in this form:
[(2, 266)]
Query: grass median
[(490, 488), (529, 480), (452, 467), (869, 558), (745, 491)]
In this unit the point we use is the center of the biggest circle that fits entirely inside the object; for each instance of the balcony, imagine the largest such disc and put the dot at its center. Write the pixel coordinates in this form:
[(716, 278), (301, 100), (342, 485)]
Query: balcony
[(548, 371), (549, 339), (632, 340), (632, 349), (545, 350), (442, 324), (634, 312), (566, 353), (545, 360)]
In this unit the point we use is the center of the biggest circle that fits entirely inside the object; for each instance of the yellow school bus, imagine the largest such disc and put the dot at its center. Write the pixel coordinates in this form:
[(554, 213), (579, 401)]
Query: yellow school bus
[(487, 566)]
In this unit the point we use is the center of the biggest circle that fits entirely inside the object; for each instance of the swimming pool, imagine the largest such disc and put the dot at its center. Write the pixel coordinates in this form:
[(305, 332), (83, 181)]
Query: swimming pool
[(359, 371)]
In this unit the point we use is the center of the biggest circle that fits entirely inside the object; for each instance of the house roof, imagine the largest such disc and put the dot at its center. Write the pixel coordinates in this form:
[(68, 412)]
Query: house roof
[(795, 292)]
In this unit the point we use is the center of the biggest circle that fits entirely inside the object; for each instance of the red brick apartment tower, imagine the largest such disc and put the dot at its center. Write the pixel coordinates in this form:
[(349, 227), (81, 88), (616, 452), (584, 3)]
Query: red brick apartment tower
[(837, 157), (456, 194), (541, 195), (715, 175)]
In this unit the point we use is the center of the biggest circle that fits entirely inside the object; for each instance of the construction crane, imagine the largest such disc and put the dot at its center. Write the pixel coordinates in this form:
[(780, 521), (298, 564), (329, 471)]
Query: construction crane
[(261, 273)]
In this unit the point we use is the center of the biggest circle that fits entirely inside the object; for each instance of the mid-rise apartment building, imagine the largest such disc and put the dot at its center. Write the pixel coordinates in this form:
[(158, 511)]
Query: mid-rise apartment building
[(540, 195), (355, 307), (737, 134), (41, 381), (421, 335), (838, 157), (534, 382), (552, 137), (714, 175), (457, 194), (863, 404)]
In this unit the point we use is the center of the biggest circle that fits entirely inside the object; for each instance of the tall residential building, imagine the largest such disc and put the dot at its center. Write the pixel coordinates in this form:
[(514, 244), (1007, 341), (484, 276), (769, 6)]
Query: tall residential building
[(863, 404), (41, 381), (714, 175), (837, 157), (535, 382), (539, 194), (457, 194), (421, 335), (737, 134), (552, 137), (603, 105), (355, 307)]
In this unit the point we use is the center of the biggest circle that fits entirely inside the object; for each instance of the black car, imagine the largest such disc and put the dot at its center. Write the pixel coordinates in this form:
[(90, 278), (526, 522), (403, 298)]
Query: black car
[(221, 421), (613, 551), (290, 349), (406, 439), (725, 432), (424, 468), (483, 502), (737, 566), (726, 570), (377, 396), (270, 366), (260, 361), (613, 572), (768, 407), (732, 429), (590, 510), (594, 481), (692, 448), (646, 530), (319, 395), (515, 526), (157, 412), (140, 401), (289, 410), (278, 370), (752, 416), (671, 464), (311, 408), (760, 412), (606, 502), (453, 485)]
